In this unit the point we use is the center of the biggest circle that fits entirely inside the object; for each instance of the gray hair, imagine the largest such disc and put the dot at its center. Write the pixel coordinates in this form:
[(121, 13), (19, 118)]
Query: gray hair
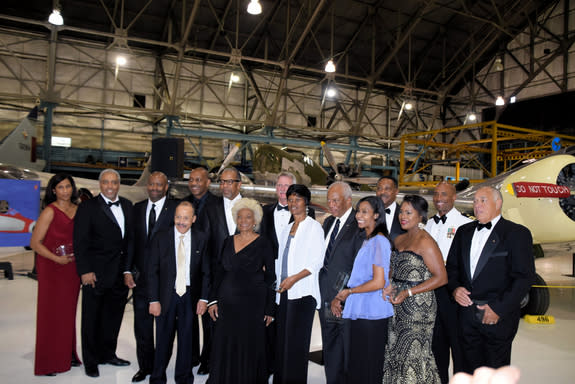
[(346, 189), (287, 174), (232, 169), (109, 170), (252, 205)]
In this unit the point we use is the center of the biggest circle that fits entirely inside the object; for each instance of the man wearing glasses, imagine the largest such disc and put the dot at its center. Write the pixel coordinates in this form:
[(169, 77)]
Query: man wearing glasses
[(217, 221)]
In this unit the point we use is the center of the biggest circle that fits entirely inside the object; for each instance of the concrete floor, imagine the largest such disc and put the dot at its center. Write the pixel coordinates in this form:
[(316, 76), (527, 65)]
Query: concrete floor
[(544, 353)]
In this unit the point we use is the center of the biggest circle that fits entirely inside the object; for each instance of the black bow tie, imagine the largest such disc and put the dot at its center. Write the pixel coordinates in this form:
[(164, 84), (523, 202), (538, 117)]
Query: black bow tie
[(117, 203), (437, 219), (481, 226), (388, 210), (282, 207)]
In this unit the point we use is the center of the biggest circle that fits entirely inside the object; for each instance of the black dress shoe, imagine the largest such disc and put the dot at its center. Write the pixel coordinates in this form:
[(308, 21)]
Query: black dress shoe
[(92, 372), (116, 361), (50, 374), (204, 369), (75, 362), (139, 376)]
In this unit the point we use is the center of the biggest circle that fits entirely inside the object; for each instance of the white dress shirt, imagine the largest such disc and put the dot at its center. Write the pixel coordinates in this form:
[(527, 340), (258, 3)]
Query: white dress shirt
[(187, 246), (281, 220), (342, 220), (117, 212), (157, 208), (389, 216), (228, 205), (443, 233), (477, 244)]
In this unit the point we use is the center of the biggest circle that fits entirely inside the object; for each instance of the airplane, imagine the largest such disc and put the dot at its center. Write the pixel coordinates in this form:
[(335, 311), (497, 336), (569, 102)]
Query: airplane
[(12, 221)]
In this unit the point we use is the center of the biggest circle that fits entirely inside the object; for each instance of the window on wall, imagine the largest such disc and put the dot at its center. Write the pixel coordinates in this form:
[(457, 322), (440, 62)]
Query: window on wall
[(139, 100)]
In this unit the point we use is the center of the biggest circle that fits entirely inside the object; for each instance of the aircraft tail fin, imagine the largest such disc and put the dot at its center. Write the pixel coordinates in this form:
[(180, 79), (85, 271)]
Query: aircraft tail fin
[(143, 180), (19, 147)]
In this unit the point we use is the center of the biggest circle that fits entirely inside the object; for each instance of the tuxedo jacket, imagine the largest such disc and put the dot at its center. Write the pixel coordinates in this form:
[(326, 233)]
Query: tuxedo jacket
[(268, 226), (395, 229), (504, 272), (347, 243), (137, 261), (212, 220), (162, 268), (98, 243)]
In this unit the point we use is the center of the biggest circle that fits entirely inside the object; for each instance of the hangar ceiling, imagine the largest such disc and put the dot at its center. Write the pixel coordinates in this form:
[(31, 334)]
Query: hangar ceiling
[(425, 49), (428, 47)]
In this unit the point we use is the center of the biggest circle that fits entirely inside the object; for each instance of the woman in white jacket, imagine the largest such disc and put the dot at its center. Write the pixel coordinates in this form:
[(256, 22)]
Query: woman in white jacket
[(300, 257)]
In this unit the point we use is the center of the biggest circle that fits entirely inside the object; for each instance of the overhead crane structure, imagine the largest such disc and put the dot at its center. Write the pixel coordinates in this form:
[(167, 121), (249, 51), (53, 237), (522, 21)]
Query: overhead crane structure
[(500, 148)]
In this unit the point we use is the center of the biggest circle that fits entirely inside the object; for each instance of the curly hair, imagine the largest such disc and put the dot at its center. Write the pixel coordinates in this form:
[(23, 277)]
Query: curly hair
[(252, 205)]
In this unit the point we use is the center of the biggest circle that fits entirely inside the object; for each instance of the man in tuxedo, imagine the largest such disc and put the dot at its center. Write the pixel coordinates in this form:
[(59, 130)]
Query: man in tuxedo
[(102, 242), (201, 197), (150, 217), (387, 189), (276, 217), (343, 239), (217, 219), (179, 283), (442, 227), (490, 268)]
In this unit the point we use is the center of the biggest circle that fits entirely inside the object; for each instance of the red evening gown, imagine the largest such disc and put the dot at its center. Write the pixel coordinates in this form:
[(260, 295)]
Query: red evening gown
[(58, 288)]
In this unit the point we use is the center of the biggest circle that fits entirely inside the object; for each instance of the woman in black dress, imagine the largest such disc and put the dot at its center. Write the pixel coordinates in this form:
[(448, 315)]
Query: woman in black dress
[(244, 301)]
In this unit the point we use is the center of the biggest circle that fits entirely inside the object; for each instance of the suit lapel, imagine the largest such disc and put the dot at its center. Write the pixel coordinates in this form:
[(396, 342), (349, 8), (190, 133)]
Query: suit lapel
[(161, 218), (487, 250), (344, 228), (108, 211), (467, 252)]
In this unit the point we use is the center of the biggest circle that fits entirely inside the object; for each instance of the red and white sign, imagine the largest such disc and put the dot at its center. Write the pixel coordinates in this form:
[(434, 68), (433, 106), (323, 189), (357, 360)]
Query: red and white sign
[(526, 189)]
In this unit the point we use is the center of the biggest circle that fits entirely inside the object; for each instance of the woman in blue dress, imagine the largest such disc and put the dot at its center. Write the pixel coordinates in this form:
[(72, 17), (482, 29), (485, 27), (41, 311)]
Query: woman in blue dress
[(364, 303)]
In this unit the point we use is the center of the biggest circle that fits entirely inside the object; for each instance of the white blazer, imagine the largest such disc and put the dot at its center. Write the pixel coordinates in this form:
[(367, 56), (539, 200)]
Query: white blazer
[(306, 251)]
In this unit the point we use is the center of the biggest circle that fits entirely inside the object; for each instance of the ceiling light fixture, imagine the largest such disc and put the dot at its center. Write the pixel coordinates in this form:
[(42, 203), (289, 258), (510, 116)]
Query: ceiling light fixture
[(408, 105), (472, 116), (512, 99), (254, 7), (330, 66), (121, 61), (235, 78), (331, 92), (55, 17), (498, 65), (499, 101)]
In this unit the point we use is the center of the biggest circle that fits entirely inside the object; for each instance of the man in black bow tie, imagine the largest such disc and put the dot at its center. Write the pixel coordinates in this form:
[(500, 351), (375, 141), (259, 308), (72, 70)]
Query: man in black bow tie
[(387, 189), (490, 269), (442, 228), (102, 242)]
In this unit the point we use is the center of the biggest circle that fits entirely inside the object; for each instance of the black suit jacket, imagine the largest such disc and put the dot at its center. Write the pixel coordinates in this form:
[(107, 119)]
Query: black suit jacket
[(98, 243), (395, 229), (349, 240), (212, 219), (504, 272), (137, 261), (162, 267)]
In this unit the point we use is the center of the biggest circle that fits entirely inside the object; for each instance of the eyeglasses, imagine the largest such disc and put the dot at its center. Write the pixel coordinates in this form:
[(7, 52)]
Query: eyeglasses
[(229, 181)]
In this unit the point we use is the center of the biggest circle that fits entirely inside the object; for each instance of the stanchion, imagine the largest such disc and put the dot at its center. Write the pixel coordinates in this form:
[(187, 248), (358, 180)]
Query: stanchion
[(572, 267)]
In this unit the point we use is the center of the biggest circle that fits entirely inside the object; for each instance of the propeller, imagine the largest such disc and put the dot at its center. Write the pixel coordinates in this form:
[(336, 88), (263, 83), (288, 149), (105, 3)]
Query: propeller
[(228, 159)]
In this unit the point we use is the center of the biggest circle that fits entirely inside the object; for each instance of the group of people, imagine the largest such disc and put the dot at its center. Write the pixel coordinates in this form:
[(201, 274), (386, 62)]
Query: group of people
[(398, 296)]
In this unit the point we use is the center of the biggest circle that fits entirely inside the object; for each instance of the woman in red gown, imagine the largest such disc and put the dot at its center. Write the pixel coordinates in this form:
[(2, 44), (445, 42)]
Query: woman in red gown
[(58, 281)]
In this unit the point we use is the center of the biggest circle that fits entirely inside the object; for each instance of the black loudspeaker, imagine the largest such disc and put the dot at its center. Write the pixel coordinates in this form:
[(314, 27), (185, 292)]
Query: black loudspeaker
[(168, 156)]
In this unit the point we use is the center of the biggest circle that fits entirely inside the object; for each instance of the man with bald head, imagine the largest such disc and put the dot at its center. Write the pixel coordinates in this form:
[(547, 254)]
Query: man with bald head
[(151, 216), (442, 227), (490, 268), (342, 240)]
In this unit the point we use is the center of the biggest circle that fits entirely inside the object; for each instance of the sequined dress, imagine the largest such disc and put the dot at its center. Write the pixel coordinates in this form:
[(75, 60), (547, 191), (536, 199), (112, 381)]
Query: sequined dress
[(408, 356)]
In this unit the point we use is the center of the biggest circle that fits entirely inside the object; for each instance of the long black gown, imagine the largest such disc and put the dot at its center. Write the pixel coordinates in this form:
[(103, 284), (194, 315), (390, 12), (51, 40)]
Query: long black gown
[(243, 286)]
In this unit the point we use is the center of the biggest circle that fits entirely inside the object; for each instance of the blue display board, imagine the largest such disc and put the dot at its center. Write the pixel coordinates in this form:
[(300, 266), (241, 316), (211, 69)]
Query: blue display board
[(19, 210)]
